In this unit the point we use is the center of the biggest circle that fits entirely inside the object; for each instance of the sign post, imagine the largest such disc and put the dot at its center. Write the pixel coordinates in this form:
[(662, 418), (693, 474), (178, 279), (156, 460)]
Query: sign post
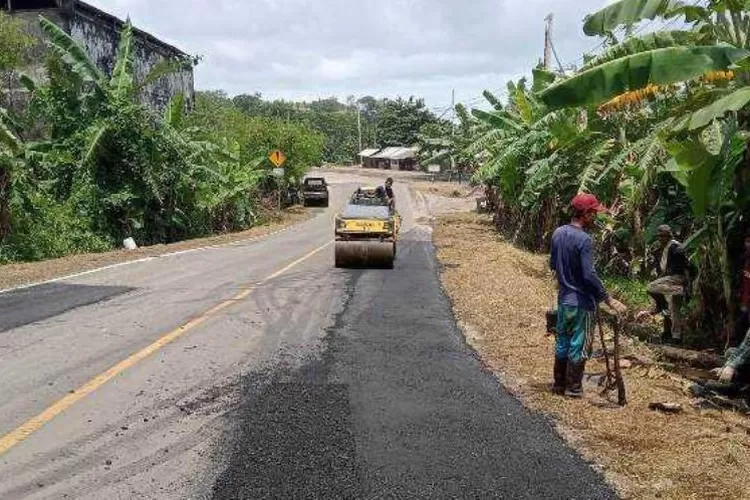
[(278, 158)]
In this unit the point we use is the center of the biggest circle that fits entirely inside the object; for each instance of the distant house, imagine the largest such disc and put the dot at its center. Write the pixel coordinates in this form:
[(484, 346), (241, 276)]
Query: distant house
[(98, 33), (397, 158), (366, 158)]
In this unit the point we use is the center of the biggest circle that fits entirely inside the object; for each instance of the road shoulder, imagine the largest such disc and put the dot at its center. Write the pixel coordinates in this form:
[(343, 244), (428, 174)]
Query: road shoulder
[(13, 276)]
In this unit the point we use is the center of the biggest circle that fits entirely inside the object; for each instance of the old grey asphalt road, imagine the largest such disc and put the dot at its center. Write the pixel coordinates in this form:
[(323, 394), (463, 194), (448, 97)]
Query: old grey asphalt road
[(259, 371)]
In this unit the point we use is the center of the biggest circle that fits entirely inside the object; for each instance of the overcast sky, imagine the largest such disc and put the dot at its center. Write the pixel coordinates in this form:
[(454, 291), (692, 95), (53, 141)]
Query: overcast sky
[(308, 49)]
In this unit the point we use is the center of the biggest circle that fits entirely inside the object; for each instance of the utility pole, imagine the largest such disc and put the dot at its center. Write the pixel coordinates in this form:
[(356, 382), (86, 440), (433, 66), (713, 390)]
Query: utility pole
[(359, 125), (548, 41), (453, 130)]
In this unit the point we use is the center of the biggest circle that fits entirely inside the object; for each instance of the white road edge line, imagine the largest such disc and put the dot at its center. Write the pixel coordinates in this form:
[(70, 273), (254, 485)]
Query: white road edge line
[(147, 259)]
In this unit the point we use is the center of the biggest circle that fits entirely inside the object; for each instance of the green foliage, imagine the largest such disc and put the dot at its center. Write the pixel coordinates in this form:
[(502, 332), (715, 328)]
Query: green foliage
[(399, 121), (107, 168), (14, 43), (44, 229), (633, 292), (645, 43)]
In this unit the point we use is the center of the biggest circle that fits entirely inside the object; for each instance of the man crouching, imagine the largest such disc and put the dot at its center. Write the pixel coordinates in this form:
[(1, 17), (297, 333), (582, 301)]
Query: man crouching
[(580, 292)]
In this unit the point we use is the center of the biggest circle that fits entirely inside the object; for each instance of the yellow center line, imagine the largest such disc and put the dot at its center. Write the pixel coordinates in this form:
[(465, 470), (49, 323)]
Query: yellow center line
[(36, 423)]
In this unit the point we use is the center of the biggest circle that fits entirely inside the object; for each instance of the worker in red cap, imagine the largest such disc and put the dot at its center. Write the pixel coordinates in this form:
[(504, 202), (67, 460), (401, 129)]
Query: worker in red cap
[(580, 293)]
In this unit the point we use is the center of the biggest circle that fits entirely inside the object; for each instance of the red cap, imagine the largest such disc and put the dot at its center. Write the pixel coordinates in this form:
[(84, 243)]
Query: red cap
[(585, 202)]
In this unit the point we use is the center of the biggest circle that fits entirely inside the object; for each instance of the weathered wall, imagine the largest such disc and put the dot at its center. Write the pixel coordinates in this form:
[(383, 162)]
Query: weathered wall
[(101, 39), (14, 96), (99, 35)]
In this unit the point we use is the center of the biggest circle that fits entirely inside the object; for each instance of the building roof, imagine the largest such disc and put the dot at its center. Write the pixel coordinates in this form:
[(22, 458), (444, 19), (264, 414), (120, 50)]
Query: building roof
[(397, 153), (368, 153), (116, 21)]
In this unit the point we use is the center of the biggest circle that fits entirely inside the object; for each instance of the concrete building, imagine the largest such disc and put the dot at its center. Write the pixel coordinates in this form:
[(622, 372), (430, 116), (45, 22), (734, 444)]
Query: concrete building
[(98, 33)]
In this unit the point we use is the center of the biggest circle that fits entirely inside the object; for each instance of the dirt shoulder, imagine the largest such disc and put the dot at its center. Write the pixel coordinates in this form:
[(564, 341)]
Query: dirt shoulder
[(500, 295), (14, 275)]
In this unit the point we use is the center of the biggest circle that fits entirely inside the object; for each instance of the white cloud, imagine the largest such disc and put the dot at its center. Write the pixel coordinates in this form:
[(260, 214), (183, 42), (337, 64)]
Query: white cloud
[(320, 48)]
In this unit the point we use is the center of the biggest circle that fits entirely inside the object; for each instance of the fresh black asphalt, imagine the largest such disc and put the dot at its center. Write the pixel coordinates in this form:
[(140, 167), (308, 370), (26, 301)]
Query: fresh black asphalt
[(30, 305), (396, 406)]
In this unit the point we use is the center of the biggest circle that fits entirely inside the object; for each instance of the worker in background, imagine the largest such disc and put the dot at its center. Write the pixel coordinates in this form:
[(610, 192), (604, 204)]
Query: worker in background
[(674, 271), (734, 376), (580, 293)]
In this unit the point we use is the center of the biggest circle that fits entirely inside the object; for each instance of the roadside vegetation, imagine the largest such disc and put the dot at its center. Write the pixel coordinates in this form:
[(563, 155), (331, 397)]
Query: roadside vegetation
[(84, 164), (655, 124)]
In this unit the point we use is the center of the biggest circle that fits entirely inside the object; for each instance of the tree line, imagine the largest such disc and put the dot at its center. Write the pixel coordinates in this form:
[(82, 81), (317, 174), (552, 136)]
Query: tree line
[(384, 122)]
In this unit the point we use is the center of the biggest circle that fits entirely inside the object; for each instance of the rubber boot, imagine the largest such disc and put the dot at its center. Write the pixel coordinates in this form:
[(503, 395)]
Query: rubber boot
[(561, 373), (666, 336), (574, 386)]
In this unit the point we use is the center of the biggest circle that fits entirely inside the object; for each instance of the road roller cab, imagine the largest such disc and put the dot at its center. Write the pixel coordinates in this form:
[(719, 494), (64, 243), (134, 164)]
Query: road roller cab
[(366, 232)]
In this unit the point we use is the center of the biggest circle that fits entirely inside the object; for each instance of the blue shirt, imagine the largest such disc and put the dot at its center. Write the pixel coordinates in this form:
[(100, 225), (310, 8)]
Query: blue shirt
[(573, 264)]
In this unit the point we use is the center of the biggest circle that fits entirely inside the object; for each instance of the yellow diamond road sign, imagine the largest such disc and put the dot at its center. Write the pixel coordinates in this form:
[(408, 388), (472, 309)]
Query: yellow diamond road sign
[(278, 158)]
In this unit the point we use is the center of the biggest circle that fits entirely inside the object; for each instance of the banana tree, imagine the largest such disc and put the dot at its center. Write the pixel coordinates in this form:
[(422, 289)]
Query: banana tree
[(230, 182), (536, 159), (706, 166)]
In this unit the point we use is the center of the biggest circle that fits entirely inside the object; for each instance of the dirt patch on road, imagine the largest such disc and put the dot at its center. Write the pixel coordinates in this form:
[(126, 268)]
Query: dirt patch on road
[(501, 294), (13, 275), (446, 189)]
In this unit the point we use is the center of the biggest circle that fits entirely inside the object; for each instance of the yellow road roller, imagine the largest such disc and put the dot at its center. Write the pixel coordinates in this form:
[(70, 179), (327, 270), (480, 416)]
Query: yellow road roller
[(366, 232)]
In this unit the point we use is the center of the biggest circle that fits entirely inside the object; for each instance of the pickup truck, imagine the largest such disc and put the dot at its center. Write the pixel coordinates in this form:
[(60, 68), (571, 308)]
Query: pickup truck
[(315, 192)]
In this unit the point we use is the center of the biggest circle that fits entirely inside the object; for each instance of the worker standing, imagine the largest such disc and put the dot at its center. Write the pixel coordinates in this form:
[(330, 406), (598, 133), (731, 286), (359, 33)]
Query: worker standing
[(580, 293)]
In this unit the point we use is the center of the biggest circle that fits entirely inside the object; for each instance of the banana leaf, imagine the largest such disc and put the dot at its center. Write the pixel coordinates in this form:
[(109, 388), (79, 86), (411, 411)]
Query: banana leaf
[(735, 101), (493, 100), (122, 75), (72, 53), (651, 41), (27, 82), (626, 13), (498, 119), (9, 140), (542, 79), (657, 67), (96, 134)]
